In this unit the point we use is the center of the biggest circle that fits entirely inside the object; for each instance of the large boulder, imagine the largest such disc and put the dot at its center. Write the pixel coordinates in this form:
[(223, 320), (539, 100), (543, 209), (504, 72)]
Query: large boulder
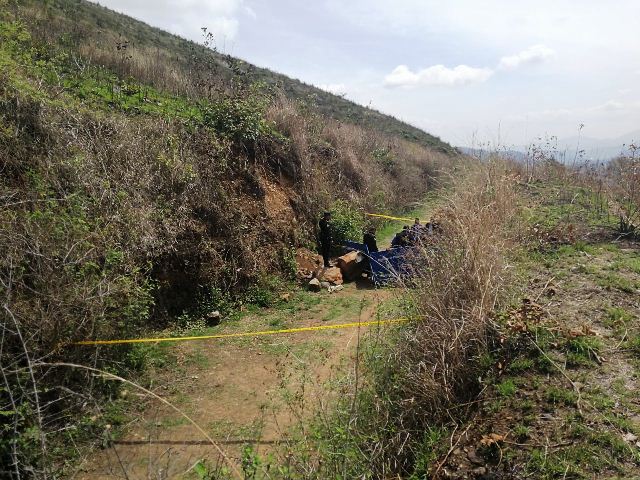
[(314, 285), (351, 265), (333, 275), (307, 263)]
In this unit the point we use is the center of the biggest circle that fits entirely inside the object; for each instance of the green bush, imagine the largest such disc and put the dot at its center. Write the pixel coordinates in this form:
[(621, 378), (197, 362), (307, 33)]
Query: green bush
[(266, 292), (238, 118), (347, 223), (288, 262)]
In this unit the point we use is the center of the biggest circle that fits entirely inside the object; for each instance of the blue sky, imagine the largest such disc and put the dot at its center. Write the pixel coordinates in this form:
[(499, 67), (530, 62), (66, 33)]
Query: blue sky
[(492, 71)]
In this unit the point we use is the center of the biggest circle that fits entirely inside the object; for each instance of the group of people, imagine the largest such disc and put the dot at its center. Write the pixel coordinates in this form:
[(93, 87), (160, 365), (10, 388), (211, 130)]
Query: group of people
[(409, 236)]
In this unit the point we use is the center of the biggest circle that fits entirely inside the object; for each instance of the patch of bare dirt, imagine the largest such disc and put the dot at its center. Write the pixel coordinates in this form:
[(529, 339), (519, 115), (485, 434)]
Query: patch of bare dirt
[(241, 392)]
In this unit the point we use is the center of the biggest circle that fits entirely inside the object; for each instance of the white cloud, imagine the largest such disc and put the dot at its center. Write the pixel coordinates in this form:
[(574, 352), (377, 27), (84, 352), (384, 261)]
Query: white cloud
[(402, 76), (250, 11), (533, 54), (335, 88), (187, 17)]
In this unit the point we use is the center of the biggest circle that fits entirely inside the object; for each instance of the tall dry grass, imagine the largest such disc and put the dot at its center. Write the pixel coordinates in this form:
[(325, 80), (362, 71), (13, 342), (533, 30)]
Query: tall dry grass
[(338, 160), (457, 288), (622, 179), (415, 382)]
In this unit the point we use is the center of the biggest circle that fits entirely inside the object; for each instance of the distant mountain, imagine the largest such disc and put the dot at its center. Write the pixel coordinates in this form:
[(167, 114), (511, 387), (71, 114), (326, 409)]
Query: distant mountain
[(567, 149), (589, 148), (483, 154)]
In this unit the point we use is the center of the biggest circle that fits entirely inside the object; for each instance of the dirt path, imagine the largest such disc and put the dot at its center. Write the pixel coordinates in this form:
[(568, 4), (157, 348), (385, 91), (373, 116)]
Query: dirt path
[(246, 391)]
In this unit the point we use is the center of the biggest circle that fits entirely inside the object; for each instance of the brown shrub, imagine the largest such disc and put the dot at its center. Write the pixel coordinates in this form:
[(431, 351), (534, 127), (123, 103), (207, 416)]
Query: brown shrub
[(433, 366)]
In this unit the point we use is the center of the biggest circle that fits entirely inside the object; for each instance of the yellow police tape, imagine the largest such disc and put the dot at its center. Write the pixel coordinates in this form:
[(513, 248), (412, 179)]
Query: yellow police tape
[(404, 219), (241, 334)]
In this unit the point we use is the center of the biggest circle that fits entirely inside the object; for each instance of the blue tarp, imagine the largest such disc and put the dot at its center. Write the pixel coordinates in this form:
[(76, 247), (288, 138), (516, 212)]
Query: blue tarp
[(386, 265)]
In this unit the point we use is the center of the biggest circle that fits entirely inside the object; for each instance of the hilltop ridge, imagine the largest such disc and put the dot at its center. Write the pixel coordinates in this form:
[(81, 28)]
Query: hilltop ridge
[(110, 29)]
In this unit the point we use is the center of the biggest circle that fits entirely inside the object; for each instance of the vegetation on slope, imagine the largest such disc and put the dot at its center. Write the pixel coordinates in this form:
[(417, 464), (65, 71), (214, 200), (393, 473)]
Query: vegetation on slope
[(558, 396), (165, 60), (134, 193)]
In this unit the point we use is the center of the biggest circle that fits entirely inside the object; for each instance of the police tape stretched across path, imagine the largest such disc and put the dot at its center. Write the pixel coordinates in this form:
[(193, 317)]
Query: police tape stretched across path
[(242, 334), (389, 217)]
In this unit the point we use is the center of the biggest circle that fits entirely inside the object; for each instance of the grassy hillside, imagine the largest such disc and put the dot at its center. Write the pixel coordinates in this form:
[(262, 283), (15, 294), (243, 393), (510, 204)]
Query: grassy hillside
[(100, 28), (143, 189)]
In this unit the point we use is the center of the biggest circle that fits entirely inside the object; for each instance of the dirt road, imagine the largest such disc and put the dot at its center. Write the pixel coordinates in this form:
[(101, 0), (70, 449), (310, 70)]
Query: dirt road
[(246, 391)]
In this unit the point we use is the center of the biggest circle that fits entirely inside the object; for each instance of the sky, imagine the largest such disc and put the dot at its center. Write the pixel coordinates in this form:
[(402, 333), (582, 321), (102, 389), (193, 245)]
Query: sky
[(491, 72)]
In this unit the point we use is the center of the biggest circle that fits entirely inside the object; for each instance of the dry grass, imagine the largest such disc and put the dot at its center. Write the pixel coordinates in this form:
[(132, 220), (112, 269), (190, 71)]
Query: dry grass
[(622, 178), (458, 287), (409, 392), (336, 160), (456, 290)]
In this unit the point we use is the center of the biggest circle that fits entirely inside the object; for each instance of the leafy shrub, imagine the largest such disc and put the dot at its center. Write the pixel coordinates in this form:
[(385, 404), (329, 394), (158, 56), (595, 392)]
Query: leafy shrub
[(265, 292), (347, 223), (241, 119), (288, 262), (385, 159)]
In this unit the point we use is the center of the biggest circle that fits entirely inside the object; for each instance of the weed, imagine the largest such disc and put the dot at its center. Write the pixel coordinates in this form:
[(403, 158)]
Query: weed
[(521, 432), (507, 388), (613, 281), (520, 365), (617, 317), (633, 344), (251, 462), (526, 405), (277, 322), (266, 292), (582, 350), (561, 396), (431, 448)]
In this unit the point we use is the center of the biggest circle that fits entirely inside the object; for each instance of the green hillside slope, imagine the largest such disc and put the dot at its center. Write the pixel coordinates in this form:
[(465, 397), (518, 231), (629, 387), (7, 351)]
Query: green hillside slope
[(102, 26)]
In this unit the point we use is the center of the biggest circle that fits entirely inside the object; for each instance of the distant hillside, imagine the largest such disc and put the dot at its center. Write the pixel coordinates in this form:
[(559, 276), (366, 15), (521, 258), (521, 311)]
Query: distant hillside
[(566, 150), (598, 148), (110, 29)]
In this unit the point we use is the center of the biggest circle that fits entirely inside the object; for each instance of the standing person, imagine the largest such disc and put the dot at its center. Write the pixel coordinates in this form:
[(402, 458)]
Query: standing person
[(370, 240), (416, 231), (326, 239)]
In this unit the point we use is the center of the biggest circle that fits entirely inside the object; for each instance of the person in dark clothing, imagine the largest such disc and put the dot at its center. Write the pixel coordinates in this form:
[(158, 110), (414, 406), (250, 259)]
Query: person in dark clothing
[(326, 239), (401, 239), (370, 240), (416, 232)]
